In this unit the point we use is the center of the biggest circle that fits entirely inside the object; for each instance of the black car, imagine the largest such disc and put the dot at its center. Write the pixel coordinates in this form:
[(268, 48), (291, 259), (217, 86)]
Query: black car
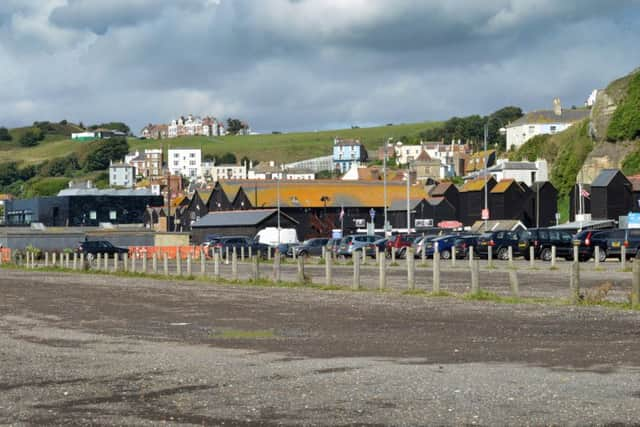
[(542, 239), (463, 243), (587, 240), (91, 248), (500, 241), (610, 243), (239, 242), (309, 247)]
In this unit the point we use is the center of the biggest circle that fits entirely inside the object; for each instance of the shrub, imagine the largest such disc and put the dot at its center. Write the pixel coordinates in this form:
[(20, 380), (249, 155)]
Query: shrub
[(625, 123), (31, 138)]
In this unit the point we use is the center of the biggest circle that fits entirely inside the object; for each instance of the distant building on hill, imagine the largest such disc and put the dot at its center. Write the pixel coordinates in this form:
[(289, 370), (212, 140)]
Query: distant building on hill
[(185, 161), (122, 175), (346, 152)]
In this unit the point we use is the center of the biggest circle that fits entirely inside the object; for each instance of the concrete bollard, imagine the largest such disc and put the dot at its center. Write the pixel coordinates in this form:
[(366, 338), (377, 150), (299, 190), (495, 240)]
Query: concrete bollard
[(510, 253), (203, 264), (356, 273), (226, 258), (250, 252), (98, 260), (453, 256), (393, 255), (75, 261), (323, 255), (234, 265), (276, 266), (513, 281), (53, 259), (574, 283), (575, 253), (596, 256), (623, 257), (553, 256), (300, 276), (105, 261), (178, 264), (532, 257), (242, 254), (144, 263), (116, 258), (154, 263), (423, 254), (82, 260), (165, 264), (382, 281), (189, 261), (436, 272), (489, 256), (411, 269), (46, 259), (328, 271), (125, 262), (269, 253), (475, 277), (255, 262), (635, 284), (471, 256), (216, 264), (133, 263), (293, 254)]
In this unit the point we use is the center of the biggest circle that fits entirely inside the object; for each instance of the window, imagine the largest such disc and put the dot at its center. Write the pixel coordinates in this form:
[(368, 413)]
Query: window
[(176, 155), (532, 129), (553, 129), (176, 163), (93, 215), (192, 163), (192, 155), (113, 215)]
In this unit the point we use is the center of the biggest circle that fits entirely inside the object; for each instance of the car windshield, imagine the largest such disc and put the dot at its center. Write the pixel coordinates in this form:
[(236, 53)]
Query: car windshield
[(106, 244), (486, 236)]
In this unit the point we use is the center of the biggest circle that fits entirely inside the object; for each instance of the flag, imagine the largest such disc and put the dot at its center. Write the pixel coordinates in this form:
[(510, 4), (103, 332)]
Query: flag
[(341, 213), (584, 193)]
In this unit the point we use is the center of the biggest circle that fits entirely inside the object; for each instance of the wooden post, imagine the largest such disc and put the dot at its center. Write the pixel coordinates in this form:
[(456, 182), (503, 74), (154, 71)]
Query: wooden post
[(328, 269), (178, 264), (82, 260), (323, 256), (635, 284), (276, 266), (116, 257), (105, 261), (250, 252), (623, 257), (216, 264), (144, 263), (226, 258), (475, 277), (510, 252), (436, 272), (203, 263), (553, 256), (125, 262), (513, 281), (393, 255), (300, 261), (489, 256), (154, 263), (532, 257), (234, 265), (423, 254), (133, 263), (575, 281), (46, 259), (255, 261), (453, 256), (98, 260), (364, 256), (382, 283), (596, 256), (53, 259), (189, 271), (269, 253), (471, 256), (356, 273), (75, 261), (165, 263), (411, 269), (242, 254)]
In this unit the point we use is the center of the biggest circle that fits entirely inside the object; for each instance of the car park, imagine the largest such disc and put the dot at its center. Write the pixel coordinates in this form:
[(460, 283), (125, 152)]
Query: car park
[(463, 243), (422, 243), (609, 242), (587, 240), (542, 240), (356, 243), (500, 242), (240, 242), (443, 245), (91, 248), (400, 242)]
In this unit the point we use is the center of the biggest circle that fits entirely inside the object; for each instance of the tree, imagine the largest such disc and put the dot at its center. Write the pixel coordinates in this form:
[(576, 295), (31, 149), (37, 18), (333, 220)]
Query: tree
[(8, 173), (119, 126), (234, 126), (227, 158), (105, 151), (4, 134), (31, 138)]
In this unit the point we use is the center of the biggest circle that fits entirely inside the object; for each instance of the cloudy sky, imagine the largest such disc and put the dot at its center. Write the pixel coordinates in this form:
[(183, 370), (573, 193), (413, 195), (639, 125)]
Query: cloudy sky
[(305, 64)]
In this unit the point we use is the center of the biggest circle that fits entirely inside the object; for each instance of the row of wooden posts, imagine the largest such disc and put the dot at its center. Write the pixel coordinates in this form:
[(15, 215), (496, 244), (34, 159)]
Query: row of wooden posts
[(77, 261)]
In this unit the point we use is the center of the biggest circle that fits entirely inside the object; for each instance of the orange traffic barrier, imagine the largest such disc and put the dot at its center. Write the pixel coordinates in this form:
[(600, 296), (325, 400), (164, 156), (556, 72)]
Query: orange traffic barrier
[(5, 254), (172, 252)]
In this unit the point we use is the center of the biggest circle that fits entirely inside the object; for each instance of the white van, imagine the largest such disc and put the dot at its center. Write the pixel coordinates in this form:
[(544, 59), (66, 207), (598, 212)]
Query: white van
[(269, 236)]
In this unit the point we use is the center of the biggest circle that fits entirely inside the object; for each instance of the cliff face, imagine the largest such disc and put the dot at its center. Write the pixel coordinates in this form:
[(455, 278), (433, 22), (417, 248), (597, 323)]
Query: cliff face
[(606, 154)]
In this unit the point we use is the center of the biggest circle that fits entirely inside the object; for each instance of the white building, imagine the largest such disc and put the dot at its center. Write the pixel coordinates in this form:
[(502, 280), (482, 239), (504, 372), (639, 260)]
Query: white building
[(299, 174), (407, 153), (527, 172), (122, 175), (542, 122), (222, 172), (185, 161)]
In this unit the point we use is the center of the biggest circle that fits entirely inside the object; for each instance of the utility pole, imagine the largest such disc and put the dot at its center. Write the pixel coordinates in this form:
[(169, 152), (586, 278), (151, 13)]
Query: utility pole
[(486, 171), (278, 205), (384, 183), (408, 201)]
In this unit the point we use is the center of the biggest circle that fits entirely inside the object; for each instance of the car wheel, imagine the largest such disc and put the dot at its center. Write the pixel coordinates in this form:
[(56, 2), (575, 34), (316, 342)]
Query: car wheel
[(503, 254), (545, 255), (304, 254), (602, 257), (446, 254)]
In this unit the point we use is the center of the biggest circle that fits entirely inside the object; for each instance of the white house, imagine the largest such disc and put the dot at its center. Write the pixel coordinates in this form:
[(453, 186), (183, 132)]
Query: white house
[(222, 172), (542, 122), (122, 175), (527, 172), (299, 174), (185, 161), (407, 153)]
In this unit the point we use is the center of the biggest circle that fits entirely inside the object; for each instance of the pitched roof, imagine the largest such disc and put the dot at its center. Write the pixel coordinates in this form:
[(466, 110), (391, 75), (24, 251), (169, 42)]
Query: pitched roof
[(605, 177), (503, 185), (346, 142), (515, 166), (250, 217), (423, 157), (633, 179), (401, 205), (474, 185), (442, 188), (549, 116), (498, 225)]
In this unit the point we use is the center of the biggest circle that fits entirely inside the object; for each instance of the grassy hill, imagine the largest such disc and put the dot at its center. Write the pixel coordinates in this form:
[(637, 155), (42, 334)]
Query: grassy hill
[(285, 147)]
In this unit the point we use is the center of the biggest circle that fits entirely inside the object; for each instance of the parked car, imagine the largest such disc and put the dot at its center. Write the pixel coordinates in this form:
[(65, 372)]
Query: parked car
[(356, 243), (441, 244), (542, 239), (333, 245), (91, 248), (309, 247), (500, 241), (587, 240), (463, 243), (239, 242), (400, 242), (421, 243), (610, 243)]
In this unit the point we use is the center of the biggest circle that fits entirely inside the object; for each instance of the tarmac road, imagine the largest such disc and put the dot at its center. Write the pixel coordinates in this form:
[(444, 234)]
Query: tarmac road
[(98, 349)]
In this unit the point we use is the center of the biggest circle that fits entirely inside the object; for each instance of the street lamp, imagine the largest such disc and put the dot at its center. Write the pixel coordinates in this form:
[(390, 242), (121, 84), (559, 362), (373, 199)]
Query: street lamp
[(408, 200), (384, 183), (486, 171), (278, 205)]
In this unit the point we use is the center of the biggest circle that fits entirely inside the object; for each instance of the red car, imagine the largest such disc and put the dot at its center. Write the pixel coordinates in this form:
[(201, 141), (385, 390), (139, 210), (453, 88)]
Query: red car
[(401, 242)]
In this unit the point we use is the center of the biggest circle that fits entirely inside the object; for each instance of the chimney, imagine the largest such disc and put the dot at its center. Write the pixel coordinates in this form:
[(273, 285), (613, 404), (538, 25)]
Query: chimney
[(557, 107)]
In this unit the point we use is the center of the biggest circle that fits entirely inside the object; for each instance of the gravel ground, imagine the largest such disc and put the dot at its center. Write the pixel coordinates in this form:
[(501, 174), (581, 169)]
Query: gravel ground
[(95, 349)]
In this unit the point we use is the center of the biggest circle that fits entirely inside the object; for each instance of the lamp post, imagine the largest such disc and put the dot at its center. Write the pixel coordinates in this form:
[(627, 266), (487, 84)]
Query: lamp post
[(278, 205), (384, 183), (408, 200), (486, 171)]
